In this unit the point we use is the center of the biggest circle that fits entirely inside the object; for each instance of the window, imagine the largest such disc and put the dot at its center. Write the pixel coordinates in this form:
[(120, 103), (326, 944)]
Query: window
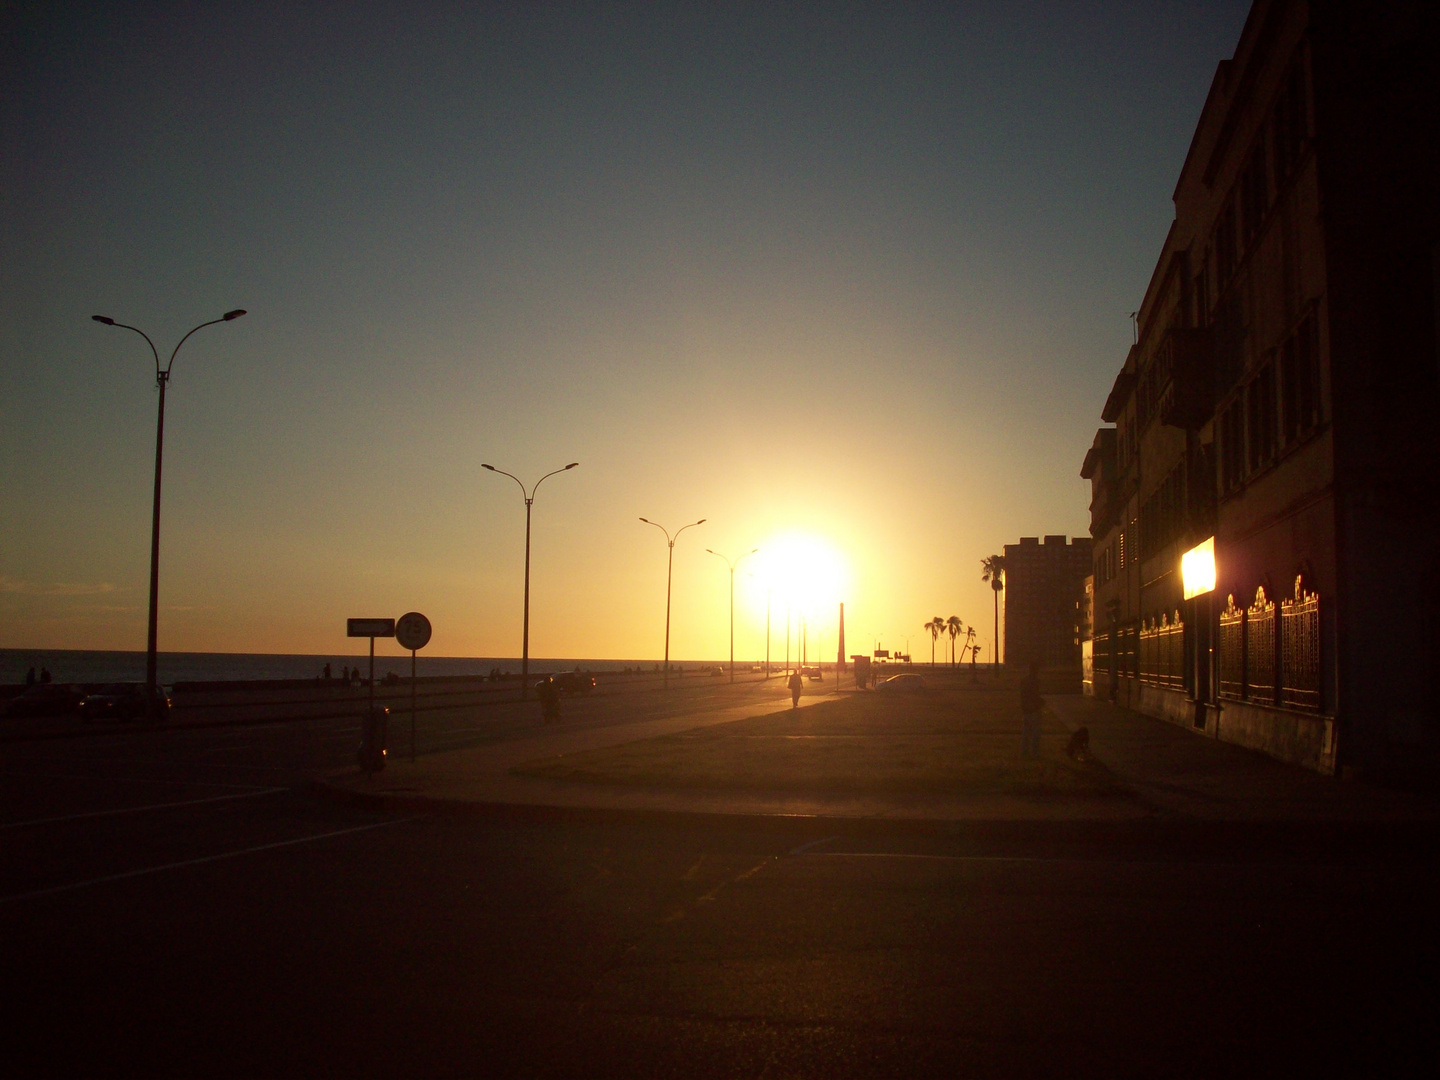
[(1300, 382), (1232, 445), (1254, 193), (1225, 246), (1290, 122), (1260, 413), (1163, 518)]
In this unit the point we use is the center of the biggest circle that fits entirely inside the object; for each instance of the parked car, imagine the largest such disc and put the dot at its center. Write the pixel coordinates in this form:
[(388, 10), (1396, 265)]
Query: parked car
[(903, 684), (717, 670), (121, 701), (46, 699), (574, 682)]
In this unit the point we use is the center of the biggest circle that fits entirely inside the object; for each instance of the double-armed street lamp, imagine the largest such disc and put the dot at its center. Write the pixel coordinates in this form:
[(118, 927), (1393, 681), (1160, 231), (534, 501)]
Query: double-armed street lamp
[(669, 576), (732, 566), (525, 637), (162, 379)]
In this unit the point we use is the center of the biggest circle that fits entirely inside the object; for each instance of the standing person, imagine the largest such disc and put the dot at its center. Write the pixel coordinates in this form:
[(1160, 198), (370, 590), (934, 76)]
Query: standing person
[(30, 676), (1030, 705), (796, 684), (327, 671), (549, 700), (44, 674)]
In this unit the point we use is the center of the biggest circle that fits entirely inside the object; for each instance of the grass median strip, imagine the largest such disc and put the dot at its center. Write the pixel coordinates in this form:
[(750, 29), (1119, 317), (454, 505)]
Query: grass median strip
[(937, 742)]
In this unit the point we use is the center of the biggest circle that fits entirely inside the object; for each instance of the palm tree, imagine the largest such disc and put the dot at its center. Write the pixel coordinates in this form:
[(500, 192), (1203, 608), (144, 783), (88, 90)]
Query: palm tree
[(954, 627), (935, 625), (993, 570)]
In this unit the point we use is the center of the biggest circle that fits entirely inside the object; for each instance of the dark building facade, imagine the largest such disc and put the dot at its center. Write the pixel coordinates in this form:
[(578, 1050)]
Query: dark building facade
[(1281, 402), (1044, 597)]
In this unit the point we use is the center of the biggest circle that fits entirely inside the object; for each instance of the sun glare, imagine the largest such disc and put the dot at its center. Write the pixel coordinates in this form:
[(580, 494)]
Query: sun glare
[(802, 571)]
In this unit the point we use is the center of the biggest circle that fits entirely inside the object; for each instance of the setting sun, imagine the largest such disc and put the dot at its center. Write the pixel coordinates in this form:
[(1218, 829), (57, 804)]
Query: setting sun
[(802, 571)]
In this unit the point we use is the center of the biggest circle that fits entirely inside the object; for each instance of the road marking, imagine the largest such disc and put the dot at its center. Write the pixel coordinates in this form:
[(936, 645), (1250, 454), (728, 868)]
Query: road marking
[(813, 844), (128, 780), (1204, 864), (689, 875), (37, 893), (713, 893), (140, 809)]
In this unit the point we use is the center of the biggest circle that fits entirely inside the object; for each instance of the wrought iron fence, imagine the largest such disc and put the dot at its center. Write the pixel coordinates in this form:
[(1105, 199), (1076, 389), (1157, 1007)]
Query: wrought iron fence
[(1232, 650), (1260, 650), (1162, 652), (1300, 643)]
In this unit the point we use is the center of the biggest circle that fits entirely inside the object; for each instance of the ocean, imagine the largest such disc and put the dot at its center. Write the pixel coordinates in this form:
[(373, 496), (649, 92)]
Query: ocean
[(85, 666)]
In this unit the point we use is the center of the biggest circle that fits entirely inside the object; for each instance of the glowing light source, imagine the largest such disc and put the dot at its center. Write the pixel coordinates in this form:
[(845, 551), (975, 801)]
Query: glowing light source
[(1197, 569), (803, 570)]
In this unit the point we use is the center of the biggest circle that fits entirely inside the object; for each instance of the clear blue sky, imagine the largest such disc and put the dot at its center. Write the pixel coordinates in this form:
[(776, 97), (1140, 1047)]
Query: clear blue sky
[(850, 280)]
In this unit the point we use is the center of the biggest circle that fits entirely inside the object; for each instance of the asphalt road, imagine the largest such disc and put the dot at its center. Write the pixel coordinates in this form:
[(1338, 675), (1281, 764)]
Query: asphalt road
[(179, 903)]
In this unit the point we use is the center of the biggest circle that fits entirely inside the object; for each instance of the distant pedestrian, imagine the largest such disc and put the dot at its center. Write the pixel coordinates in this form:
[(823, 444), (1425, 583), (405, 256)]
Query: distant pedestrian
[(549, 700), (30, 676), (327, 672), (796, 684), (1031, 704), (45, 675)]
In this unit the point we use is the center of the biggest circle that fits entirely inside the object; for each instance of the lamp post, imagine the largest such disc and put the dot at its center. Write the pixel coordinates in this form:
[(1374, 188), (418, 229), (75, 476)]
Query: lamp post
[(162, 379), (732, 566), (525, 635), (669, 574)]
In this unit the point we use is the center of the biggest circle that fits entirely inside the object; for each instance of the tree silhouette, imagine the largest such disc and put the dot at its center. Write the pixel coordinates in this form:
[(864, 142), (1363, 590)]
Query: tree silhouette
[(935, 626), (954, 627), (993, 570)]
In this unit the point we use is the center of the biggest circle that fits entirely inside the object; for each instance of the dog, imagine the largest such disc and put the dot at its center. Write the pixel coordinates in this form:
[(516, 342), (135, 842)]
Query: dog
[(1079, 745)]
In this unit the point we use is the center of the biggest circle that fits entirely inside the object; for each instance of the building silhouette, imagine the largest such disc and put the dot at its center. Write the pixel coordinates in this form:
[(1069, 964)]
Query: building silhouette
[(1044, 595), (1281, 399)]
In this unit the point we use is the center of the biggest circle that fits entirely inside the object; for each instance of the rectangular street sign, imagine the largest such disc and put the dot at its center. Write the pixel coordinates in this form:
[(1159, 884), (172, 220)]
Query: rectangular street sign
[(370, 627)]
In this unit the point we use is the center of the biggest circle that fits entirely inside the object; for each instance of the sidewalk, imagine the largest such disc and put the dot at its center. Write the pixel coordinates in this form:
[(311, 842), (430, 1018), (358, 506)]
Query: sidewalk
[(1182, 774), (1168, 772)]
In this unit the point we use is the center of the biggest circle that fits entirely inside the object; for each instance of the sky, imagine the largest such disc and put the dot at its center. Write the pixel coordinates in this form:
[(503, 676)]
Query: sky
[(848, 281)]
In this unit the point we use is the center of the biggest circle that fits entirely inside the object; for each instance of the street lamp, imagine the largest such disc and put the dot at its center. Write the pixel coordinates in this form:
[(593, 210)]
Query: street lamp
[(162, 379), (525, 636), (732, 566), (669, 575)]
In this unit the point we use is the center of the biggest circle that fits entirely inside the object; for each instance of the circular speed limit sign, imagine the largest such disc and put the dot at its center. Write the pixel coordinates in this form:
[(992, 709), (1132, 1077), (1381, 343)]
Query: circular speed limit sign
[(412, 630)]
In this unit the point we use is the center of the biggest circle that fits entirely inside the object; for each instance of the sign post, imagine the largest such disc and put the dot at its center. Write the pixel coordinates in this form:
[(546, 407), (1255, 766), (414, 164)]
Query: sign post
[(412, 631), (371, 628)]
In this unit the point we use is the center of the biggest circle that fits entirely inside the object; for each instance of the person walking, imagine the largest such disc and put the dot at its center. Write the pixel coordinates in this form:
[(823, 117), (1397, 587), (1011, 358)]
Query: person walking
[(796, 684), (549, 696), (1031, 704)]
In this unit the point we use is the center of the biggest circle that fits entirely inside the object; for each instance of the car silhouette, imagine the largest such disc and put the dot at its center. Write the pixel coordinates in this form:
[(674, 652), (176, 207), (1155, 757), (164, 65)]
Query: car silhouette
[(903, 684), (574, 682), (121, 701), (46, 699)]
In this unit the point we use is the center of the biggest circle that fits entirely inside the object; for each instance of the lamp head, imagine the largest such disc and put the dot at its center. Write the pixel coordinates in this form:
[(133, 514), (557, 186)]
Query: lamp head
[(233, 314), (572, 464), (103, 319), (700, 522), (647, 521), (490, 467)]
